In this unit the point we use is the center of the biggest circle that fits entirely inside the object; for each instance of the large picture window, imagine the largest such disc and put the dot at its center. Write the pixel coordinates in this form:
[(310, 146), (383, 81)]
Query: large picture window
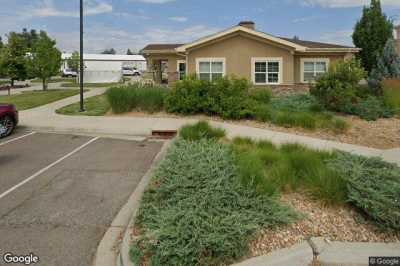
[(313, 68), (210, 68), (266, 70)]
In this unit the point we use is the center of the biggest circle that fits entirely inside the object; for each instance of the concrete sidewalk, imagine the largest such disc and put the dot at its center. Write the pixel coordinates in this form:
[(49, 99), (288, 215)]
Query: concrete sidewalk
[(33, 87), (318, 251), (44, 118)]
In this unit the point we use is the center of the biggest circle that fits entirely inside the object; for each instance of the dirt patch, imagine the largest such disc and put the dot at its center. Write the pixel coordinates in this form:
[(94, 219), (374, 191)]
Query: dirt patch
[(334, 223), (380, 134)]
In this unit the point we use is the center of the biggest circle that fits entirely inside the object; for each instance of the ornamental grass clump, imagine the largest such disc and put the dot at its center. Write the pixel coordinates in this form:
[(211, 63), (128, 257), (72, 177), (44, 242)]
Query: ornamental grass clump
[(136, 96), (290, 167), (197, 212), (201, 130)]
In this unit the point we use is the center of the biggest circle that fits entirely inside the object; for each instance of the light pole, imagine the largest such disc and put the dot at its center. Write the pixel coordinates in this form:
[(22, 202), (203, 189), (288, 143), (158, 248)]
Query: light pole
[(81, 66)]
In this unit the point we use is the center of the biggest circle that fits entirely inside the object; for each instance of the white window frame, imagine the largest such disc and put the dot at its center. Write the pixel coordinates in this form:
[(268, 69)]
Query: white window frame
[(210, 60), (312, 60), (255, 60), (178, 70)]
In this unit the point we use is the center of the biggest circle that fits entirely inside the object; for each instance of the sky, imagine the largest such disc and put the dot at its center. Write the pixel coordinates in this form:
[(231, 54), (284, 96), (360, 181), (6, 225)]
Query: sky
[(123, 24)]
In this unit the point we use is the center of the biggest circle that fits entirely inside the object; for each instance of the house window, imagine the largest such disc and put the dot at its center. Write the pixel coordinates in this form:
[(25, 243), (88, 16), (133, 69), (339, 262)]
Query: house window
[(210, 68), (312, 69), (266, 70), (181, 69)]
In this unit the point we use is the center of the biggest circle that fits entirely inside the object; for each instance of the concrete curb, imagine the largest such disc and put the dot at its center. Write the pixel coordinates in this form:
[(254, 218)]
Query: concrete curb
[(321, 252), (72, 130), (297, 255), (115, 243)]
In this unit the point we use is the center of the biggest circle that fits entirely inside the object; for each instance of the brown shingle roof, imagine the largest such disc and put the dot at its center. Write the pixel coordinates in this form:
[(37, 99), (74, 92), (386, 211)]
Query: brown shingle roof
[(161, 46), (310, 44)]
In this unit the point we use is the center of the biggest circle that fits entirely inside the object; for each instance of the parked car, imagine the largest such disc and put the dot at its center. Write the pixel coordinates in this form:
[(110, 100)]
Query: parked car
[(69, 73), (8, 119), (128, 71)]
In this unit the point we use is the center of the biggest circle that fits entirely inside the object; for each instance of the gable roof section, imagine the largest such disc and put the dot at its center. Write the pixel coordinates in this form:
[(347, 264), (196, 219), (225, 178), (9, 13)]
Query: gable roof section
[(161, 48), (263, 35), (295, 44)]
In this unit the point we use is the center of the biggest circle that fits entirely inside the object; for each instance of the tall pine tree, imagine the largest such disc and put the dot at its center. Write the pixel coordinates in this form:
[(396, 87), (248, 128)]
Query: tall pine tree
[(388, 66), (371, 34)]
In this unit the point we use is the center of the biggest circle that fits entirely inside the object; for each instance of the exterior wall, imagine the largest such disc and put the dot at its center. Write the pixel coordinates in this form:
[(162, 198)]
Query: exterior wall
[(332, 60), (398, 45), (238, 51)]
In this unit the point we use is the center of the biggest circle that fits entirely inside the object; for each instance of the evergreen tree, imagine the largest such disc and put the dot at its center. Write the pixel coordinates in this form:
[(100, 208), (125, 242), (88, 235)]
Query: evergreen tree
[(45, 59), (129, 52), (388, 66), (109, 51), (371, 34)]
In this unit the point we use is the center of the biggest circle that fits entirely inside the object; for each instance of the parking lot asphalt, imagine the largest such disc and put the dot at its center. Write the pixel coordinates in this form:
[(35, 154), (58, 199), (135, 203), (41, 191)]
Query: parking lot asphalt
[(76, 185)]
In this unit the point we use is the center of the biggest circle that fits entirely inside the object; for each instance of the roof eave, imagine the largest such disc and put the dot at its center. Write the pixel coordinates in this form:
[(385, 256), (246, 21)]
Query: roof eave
[(164, 51), (333, 50)]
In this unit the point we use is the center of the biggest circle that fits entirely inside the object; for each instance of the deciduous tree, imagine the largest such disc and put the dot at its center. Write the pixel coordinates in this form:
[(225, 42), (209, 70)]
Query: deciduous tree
[(73, 61), (45, 59), (13, 59)]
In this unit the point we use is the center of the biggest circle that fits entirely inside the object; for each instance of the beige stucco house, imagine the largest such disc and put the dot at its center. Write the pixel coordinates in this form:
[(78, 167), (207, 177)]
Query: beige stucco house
[(397, 37), (245, 52)]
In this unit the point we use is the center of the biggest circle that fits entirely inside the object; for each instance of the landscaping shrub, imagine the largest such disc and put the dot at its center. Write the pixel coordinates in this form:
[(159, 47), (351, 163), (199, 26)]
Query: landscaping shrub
[(144, 98), (196, 212), (373, 186), (188, 96), (226, 97), (262, 96), (201, 130), (372, 108), (231, 98), (336, 89), (296, 103)]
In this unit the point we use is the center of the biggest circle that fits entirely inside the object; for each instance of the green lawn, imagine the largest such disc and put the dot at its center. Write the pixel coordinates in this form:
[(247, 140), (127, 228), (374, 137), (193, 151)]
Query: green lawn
[(31, 99), (4, 82), (55, 80), (89, 85), (94, 106)]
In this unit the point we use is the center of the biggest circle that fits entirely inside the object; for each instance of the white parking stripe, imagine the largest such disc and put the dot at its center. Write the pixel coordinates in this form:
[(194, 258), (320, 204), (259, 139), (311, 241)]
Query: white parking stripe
[(15, 139), (47, 168)]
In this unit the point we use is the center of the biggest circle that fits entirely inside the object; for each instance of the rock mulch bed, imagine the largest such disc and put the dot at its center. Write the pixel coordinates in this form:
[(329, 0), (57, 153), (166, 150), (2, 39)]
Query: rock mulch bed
[(380, 134), (340, 223)]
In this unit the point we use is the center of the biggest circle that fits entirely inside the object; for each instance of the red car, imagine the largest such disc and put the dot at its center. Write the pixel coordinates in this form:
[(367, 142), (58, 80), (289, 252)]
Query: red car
[(8, 119)]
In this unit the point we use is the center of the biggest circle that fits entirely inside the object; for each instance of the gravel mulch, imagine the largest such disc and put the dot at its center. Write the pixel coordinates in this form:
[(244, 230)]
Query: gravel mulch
[(340, 223), (380, 134)]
